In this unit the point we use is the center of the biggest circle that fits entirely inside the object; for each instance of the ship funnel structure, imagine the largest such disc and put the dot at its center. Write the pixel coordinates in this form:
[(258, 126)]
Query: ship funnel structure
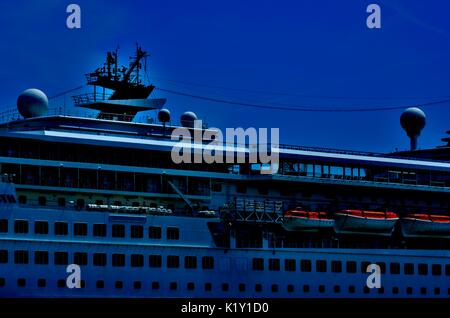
[(32, 103), (413, 121)]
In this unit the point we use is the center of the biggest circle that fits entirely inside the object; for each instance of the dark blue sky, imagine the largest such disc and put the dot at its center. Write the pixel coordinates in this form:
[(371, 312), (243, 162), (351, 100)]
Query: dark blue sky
[(314, 51)]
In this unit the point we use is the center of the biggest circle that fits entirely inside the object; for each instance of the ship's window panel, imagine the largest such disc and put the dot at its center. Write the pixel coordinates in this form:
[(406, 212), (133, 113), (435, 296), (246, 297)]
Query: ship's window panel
[(436, 269), (423, 290), (80, 229), (366, 290), (21, 257), (40, 227), (42, 201), (258, 288), (61, 283), (305, 265), (41, 257), (118, 284), (137, 260), (173, 286), (321, 266), (99, 259), (82, 283), (155, 261), (155, 285), (80, 258), (364, 266), (448, 291), (258, 264), (321, 289), (395, 268), (274, 288), (41, 283), (216, 187), (118, 260), (21, 226), (154, 232), (290, 288), (61, 228), (22, 199), (408, 268), (99, 230), (208, 262), (173, 261), (437, 291), (137, 231), (62, 202), (336, 289), (447, 270), (423, 269), (173, 233), (208, 287), (274, 264), (61, 258), (190, 286), (351, 289), (382, 267), (3, 226), (100, 284), (409, 290), (190, 262), (137, 285), (2, 282), (225, 287), (290, 265), (380, 290), (118, 230), (395, 290), (3, 256), (21, 282), (336, 266), (351, 267)]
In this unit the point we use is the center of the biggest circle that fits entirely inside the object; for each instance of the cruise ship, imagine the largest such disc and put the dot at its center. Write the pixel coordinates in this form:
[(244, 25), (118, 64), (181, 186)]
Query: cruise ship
[(102, 193)]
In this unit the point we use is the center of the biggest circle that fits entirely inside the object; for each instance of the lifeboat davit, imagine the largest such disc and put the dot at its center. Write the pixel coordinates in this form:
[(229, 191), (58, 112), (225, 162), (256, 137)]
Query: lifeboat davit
[(301, 220), (365, 222), (425, 225)]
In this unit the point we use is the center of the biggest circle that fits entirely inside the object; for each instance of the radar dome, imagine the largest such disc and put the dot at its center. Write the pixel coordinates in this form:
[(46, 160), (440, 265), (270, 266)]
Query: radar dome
[(32, 103), (187, 119), (164, 115), (413, 121)]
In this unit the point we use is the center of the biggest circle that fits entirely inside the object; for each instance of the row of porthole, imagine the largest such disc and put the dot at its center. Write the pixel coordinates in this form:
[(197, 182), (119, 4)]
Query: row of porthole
[(225, 287)]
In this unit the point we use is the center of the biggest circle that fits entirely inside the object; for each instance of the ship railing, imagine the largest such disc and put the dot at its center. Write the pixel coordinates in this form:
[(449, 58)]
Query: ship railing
[(89, 98)]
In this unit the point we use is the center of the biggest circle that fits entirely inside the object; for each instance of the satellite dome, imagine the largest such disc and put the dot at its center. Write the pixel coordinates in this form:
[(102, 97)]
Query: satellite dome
[(164, 115), (187, 119), (413, 121), (32, 103)]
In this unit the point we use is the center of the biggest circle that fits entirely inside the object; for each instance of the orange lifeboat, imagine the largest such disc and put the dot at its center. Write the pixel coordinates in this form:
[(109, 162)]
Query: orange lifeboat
[(360, 221), (425, 225), (301, 220)]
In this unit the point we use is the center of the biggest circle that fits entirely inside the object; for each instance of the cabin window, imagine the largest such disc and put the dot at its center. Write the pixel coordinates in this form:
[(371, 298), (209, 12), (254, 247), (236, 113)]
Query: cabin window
[(225, 287), (274, 288), (208, 262), (137, 285), (436, 270), (306, 288), (3, 256), (208, 287), (216, 187), (190, 262), (42, 201), (137, 231), (41, 283), (118, 284), (364, 266), (21, 282), (351, 267), (80, 229), (289, 265), (274, 264), (351, 289), (61, 258), (99, 230), (305, 265), (61, 283), (61, 202), (395, 268), (290, 288), (173, 286), (40, 227), (321, 289), (437, 291), (22, 199), (395, 290), (423, 290), (409, 268), (336, 289), (80, 258), (41, 257), (155, 261), (173, 233), (154, 232), (155, 285), (382, 267), (118, 260), (258, 288), (21, 257), (173, 261), (409, 290), (190, 286), (3, 226), (447, 270), (100, 284), (118, 230), (258, 264), (321, 266), (137, 260), (423, 269), (21, 226), (61, 228), (336, 266), (2, 282), (99, 259)]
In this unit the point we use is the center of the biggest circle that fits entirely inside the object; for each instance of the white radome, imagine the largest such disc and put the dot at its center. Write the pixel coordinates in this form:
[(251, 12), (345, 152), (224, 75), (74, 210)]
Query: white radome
[(32, 102)]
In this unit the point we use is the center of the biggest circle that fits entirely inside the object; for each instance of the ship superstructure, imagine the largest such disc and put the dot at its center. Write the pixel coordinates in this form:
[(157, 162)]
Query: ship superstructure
[(104, 193)]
